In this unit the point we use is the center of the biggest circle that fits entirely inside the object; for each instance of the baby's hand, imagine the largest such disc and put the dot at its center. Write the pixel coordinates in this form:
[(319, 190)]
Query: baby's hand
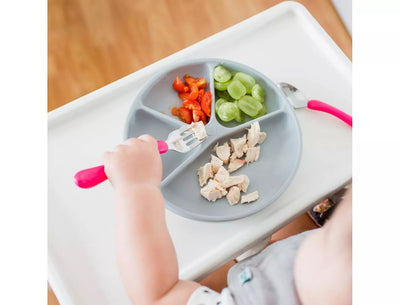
[(137, 161)]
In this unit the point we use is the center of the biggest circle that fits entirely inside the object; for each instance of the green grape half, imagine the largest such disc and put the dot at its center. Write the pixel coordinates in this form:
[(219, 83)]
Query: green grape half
[(227, 111), (247, 80), (219, 102), (240, 115), (221, 86), (236, 89), (223, 94), (249, 105), (258, 93), (221, 74), (263, 111)]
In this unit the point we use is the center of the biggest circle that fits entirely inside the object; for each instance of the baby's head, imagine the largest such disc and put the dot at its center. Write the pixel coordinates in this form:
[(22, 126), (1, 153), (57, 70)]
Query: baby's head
[(323, 267)]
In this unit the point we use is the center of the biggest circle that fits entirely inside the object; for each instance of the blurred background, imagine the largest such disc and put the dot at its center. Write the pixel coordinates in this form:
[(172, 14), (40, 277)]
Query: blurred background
[(92, 43)]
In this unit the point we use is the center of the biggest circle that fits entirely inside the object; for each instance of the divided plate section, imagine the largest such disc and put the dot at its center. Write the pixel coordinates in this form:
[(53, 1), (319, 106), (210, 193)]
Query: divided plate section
[(146, 121), (274, 98), (159, 94), (270, 175)]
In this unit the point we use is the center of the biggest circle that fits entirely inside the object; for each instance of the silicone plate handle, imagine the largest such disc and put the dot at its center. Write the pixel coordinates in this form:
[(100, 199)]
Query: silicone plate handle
[(321, 106), (90, 177)]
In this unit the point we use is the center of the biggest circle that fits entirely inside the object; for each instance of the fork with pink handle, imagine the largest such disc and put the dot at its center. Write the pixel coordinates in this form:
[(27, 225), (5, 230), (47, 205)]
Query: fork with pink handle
[(181, 140)]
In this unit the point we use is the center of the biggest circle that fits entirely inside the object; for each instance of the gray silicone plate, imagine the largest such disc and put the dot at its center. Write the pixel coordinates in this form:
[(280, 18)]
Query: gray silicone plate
[(270, 175)]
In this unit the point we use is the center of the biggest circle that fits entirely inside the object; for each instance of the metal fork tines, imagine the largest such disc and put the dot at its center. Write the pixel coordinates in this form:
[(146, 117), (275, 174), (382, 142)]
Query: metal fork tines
[(183, 139)]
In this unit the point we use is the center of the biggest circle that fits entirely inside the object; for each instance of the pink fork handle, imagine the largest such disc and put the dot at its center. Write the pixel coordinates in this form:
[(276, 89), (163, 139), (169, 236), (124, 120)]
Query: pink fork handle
[(90, 177), (321, 106)]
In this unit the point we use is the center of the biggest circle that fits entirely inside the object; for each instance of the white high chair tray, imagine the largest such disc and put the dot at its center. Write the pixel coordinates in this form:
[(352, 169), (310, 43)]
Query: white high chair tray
[(286, 44)]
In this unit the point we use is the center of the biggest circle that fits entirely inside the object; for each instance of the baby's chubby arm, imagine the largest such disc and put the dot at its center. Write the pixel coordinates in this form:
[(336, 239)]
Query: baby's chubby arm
[(146, 256)]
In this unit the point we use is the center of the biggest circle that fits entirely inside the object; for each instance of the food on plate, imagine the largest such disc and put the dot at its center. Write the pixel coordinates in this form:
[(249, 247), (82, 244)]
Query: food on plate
[(196, 102), (179, 86), (249, 105), (252, 154), (255, 136), (244, 184), (234, 180), (233, 195), (239, 146), (235, 165), (199, 115), (238, 94), (216, 181), (261, 137), (227, 111), (216, 163), (223, 152), (258, 92), (247, 81), (236, 89), (222, 175), (205, 172), (250, 197), (206, 103), (184, 114), (221, 74), (213, 191), (240, 115)]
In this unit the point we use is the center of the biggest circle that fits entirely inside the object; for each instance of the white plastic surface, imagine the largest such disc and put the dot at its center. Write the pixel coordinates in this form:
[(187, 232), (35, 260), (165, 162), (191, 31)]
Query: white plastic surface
[(286, 44)]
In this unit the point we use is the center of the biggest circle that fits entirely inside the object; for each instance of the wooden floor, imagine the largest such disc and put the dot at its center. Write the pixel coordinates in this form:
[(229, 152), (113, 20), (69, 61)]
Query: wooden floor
[(92, 43)]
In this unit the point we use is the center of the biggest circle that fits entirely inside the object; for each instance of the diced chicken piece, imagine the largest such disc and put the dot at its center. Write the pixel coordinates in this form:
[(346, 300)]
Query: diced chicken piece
[(234, 156), (233, 195), (235, 165), (221, 175), (252, 154), (250, 197), (205, 172), (215, 147), (253, 134), (233, 180), (216, 163), (213, 191), (238, 145), (245, 184), (223, 152), (262, 136), (199, 130)]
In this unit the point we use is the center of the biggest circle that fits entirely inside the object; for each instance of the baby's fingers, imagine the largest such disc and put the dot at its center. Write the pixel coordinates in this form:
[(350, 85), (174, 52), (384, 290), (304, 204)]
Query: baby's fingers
[(148, 139), (106, 157), (132, 142)]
